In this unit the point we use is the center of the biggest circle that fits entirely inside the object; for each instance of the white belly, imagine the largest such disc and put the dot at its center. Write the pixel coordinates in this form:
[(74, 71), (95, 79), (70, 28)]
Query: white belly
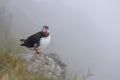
[(44, 42)]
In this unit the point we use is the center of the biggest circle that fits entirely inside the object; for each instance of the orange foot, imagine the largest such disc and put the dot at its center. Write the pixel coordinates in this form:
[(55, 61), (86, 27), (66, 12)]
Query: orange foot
[(39, 52)]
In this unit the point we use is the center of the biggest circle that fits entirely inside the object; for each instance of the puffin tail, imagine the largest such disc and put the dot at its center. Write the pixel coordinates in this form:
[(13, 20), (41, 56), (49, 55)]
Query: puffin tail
[(23, 40), (22, 44)]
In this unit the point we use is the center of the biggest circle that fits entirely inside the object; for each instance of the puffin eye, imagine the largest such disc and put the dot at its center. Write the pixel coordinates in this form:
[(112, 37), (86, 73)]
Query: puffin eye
[(43, 28)]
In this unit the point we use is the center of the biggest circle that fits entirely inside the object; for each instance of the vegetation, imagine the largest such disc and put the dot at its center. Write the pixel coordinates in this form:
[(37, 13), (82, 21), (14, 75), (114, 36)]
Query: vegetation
[(13, 68)]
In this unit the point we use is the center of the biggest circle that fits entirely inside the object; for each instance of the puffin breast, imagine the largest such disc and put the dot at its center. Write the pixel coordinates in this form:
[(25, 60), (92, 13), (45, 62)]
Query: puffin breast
[(44, 41)]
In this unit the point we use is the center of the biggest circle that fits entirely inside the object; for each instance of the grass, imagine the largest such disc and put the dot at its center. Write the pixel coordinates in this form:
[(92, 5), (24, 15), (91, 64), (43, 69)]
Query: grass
[(13, 68)]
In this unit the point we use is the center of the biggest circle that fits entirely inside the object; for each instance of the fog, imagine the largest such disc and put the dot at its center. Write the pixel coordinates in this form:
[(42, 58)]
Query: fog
[(85, 33)]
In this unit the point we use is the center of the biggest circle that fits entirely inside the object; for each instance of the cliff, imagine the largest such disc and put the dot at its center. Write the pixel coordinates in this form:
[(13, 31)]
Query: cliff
[(50, 65)]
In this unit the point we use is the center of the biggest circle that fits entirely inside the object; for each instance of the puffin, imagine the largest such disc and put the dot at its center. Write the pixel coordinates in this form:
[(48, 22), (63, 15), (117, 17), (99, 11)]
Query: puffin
[(38, 40)]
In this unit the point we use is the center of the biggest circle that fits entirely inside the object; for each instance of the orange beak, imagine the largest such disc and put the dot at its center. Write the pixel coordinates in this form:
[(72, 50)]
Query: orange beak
[(46, 33)]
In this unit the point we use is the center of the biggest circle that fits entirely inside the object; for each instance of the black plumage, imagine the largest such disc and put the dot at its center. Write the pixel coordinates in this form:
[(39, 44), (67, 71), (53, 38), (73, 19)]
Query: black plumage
[(33, 40)]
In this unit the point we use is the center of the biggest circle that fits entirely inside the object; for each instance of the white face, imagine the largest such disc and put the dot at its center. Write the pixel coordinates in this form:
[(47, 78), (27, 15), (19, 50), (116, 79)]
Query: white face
[(45, 29)]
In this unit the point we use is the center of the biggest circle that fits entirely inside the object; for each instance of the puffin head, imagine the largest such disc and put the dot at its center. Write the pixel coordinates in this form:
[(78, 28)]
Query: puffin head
[(45, 30)]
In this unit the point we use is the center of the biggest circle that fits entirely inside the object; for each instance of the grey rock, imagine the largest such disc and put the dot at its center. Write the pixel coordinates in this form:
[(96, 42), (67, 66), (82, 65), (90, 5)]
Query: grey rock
[(49, 64)]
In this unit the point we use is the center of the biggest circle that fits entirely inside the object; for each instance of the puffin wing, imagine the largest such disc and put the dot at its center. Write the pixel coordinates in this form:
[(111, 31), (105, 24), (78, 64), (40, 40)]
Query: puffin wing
[(33, 40)]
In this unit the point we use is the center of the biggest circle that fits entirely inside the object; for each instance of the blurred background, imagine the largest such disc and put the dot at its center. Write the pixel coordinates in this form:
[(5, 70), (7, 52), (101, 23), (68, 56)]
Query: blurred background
[(85, 33)]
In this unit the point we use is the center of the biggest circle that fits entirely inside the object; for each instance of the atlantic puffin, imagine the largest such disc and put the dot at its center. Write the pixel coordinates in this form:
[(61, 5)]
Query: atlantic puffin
[(38, 40)]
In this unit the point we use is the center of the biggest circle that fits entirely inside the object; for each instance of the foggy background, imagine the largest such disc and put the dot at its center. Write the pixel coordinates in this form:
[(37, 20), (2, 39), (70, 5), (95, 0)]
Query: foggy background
[(85, 33)]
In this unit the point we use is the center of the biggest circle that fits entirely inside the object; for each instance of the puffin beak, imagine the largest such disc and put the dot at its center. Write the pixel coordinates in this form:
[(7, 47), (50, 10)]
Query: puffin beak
[(46, 33)]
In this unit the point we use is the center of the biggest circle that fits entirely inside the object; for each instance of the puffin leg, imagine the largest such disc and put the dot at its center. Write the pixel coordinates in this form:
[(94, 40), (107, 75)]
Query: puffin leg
[(38, 51)]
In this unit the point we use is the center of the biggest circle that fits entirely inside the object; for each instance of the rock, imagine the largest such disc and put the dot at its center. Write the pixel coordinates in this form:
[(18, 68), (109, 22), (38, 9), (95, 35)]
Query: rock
[(48, 64)]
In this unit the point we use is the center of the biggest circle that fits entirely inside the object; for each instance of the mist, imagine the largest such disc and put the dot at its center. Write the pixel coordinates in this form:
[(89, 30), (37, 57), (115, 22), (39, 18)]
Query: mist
[(85, 33)]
